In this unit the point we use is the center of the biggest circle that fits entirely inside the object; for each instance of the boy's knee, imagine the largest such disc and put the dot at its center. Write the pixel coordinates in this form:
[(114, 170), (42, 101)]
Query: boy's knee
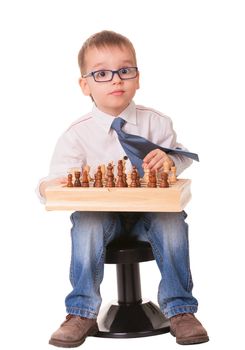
[(169, 217), (170, 225), (94, 223), (89, 217)]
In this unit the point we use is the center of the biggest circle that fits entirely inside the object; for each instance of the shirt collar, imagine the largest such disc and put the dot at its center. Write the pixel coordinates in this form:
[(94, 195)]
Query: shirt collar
[(105, 120)]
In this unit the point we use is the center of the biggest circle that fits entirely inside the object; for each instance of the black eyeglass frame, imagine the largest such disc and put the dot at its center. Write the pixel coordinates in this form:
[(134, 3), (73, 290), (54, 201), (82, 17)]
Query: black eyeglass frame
[(92, 74)]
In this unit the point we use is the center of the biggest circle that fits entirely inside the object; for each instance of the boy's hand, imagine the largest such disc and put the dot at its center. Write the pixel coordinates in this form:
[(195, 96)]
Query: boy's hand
[(154, 160), (52, 182)]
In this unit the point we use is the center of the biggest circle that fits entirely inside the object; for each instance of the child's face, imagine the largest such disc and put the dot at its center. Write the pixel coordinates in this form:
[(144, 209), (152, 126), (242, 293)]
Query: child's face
[(113, 96)]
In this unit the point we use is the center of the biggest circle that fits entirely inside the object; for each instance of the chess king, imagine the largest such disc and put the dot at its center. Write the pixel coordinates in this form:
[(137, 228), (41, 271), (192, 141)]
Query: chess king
[(111, 77)]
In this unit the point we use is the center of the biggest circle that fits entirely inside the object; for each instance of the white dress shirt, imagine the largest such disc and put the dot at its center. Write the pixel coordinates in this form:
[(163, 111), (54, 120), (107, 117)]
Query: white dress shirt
[(91, 141)]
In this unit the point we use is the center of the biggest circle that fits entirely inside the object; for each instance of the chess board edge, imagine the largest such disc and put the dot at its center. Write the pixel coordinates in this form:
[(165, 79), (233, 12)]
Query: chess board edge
[(114, 199)]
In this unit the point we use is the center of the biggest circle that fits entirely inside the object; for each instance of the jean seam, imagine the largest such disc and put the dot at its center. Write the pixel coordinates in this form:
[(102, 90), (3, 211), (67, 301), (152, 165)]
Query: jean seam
[(148, 233), (107, 235), (72, 248), (189, 279), (108, 230)]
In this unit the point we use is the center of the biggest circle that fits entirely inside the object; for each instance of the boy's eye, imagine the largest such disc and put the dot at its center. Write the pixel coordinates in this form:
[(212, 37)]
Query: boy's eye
[(125, 70), (101, 74)]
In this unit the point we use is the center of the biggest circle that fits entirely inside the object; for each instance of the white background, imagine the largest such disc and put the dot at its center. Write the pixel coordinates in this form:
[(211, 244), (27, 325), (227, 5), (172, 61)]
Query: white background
[(191, 58)]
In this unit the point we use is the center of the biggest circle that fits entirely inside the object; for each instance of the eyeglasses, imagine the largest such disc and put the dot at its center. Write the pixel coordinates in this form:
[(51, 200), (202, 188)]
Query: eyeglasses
[(104, 75)]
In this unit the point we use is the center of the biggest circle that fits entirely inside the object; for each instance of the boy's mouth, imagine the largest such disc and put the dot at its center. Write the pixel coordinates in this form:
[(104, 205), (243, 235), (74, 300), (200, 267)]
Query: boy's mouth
[(117, 92)]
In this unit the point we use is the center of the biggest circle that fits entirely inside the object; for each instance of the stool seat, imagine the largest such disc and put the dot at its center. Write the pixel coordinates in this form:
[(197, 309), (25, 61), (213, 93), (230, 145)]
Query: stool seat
[(130, 316), (128, 252)]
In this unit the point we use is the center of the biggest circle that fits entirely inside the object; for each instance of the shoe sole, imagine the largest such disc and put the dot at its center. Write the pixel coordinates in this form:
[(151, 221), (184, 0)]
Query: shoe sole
[(191, 340), (73, 344)]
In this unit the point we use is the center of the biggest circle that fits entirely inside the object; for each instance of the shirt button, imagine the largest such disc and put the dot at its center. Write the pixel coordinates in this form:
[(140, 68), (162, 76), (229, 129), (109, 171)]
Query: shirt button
[(125, 158)]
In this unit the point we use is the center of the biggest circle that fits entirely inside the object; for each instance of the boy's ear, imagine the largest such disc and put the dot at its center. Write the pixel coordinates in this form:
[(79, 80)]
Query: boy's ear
[(84, 86)]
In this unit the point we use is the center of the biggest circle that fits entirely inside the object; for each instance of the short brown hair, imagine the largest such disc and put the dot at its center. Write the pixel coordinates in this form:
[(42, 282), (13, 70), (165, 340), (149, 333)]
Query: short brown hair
[(103, 39)]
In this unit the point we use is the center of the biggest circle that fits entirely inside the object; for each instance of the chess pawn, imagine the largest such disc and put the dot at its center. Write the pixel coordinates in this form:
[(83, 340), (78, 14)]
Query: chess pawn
[(164, 180), (77, 182), (69, 180), (152, 179), (133, 178), (172, 178)]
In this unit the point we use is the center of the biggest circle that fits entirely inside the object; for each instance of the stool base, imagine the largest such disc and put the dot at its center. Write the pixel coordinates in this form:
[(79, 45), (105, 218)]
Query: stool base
[(131, 321)]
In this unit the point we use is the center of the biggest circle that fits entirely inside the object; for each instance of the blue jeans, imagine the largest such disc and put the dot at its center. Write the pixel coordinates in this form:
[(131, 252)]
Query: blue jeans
[(168, 236)]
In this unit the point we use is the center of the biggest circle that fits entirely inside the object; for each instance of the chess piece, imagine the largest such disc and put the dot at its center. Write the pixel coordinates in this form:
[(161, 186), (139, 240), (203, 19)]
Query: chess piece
[(152, 179), (87, 169), (166, 166), (77, 182), (164, 180), (146, 175), (85, 181), (69, 180), (120, 181), (172, 177), (98, 178), (124, 164), (138, 179), (129, 179), (125, 179), (102, 167), (134, 177), (110, 182)]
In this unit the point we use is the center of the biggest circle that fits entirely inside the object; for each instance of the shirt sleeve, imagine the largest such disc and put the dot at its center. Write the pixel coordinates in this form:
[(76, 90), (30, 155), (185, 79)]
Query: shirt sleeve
[(68, 153)]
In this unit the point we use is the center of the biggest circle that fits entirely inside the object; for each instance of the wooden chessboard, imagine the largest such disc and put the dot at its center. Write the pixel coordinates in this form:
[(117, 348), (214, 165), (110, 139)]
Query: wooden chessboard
[(139, 199)]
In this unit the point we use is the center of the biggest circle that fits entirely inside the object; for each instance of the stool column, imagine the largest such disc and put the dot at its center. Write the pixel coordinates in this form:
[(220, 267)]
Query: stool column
[(128, 283)]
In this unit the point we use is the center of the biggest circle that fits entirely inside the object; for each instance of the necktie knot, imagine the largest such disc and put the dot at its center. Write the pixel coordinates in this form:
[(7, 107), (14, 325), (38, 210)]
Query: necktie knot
[(117, 124)]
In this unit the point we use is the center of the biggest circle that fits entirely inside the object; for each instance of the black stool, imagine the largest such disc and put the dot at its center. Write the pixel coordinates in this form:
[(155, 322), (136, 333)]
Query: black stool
[(130, 317)]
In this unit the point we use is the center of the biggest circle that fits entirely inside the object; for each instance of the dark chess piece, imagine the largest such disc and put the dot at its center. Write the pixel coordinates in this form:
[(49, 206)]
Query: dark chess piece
[(125, 180), (98, 178), (85, 181), (120, 181), (164, 180), (77, 182), (134, 177), (152, 179), (69, 180), (110, 176)]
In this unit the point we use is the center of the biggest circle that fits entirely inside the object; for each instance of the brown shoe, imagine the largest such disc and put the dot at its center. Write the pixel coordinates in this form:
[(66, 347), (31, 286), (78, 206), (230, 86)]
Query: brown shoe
[(73, 331), (187, 329)]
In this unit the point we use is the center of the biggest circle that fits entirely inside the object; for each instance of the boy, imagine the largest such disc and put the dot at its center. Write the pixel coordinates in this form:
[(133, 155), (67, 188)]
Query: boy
[(109, 75)]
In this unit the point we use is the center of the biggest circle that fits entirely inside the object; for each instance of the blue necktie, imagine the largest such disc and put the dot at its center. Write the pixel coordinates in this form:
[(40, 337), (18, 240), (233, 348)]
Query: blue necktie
[(137, 147)]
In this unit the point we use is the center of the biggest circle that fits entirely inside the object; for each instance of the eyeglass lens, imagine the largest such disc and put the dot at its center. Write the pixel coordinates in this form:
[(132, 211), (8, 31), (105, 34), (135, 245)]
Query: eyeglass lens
[(107, 75)]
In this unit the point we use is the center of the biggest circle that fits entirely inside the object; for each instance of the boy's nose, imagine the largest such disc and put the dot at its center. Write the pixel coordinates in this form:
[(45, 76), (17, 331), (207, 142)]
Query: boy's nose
[(116, 78)]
